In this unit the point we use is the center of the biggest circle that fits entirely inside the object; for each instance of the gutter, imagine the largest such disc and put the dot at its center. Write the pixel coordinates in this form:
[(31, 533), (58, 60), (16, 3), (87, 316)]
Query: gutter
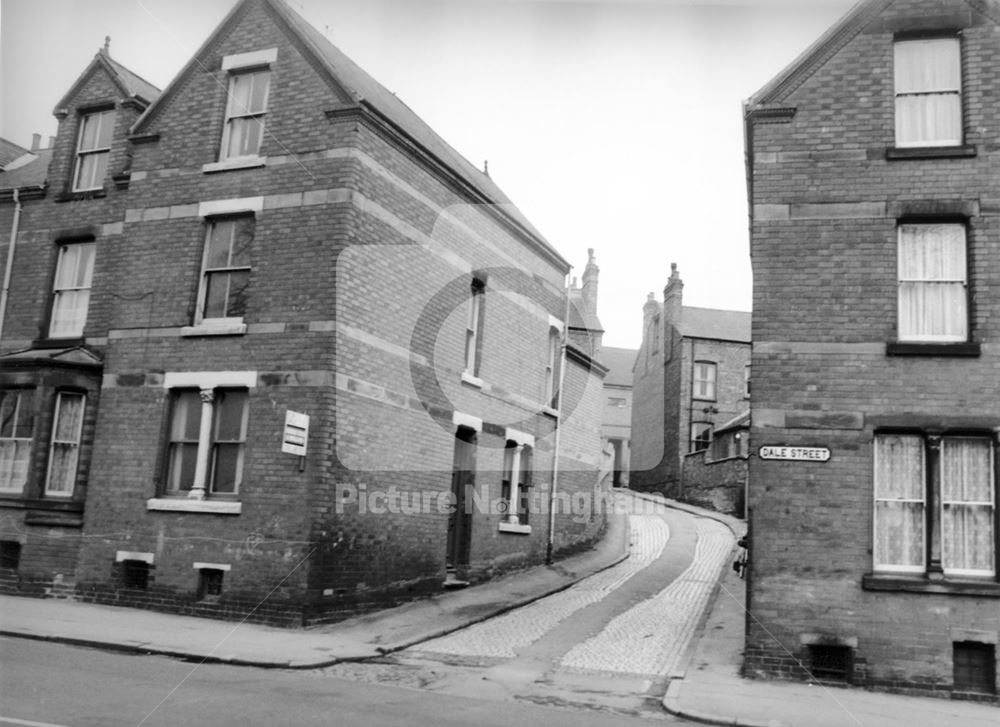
[(549, 546), (14, 225)]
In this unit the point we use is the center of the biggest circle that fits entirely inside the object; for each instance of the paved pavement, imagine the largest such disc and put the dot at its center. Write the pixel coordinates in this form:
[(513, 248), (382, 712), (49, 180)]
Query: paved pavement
[(705, 684)]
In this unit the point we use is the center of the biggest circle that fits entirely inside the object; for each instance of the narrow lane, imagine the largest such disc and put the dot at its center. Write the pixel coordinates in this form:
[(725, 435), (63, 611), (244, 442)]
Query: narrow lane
[(608, 642)]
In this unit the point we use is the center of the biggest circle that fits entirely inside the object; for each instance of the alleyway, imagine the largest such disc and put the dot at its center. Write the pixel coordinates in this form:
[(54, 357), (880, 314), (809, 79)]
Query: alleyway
[(608, 642)]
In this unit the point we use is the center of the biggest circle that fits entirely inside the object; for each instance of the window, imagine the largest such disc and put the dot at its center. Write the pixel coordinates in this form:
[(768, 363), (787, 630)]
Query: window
[(617, 402), (831, 662), (552, 369), (701, 436), (473, 331), (71, 290), (515, 490), (928, 76), (225, 276), (135, 574), (206, 460), (974, 667), (727, 445), (746, 381), (10, 555), (703, 386), (64, 451), (93, 148), (17, 422), (932, 283), (210, 583), (934, 504), (245, 111)]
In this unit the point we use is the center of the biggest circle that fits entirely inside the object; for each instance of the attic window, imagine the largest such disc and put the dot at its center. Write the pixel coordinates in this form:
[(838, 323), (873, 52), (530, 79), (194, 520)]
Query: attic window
[(93, 148), (249, 89)]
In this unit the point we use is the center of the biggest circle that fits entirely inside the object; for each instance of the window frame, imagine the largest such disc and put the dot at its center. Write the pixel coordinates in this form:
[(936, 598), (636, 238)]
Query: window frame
[(902, 337), (236, 115), (474, 327), (933, 546), (30, 440), (102, 153), (899, 115), (59, 290), (212, 224), (712, 381), (705, 437), (76, 442), (208, 437)]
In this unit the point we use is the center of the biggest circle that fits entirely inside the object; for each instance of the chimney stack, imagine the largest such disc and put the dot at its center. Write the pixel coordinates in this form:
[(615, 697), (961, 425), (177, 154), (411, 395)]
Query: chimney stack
[(36, 139)]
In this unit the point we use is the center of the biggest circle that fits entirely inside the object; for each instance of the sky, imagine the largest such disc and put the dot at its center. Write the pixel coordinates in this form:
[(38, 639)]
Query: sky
[(612, 124)]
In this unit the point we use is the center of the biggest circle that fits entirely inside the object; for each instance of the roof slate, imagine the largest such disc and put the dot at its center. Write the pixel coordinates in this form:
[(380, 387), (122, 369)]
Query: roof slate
[(722, 325), (32, 174), (9, 151), (619, 362)]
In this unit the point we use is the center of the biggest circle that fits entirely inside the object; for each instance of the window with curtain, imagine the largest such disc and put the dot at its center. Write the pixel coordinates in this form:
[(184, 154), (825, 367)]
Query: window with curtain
[(17, 424), (71, 290), (964, 500), (93, 148), (701, 436), (245, 112), (928, 82), (933, 297), (64, 451)]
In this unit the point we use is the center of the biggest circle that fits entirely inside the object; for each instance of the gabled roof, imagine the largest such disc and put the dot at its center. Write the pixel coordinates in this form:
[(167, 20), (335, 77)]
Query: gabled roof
[(619, 362), (130, 84), (72, 356), (364, 91), (32, 174), (836, 37), (9, 151), (720, 325), (817, 54)]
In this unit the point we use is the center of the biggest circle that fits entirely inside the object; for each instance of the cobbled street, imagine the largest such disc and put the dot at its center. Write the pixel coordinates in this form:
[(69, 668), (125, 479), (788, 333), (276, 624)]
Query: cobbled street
[(609, 642)]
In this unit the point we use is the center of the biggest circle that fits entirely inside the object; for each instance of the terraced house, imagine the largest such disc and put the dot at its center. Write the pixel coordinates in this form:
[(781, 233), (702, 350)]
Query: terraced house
[(874, 177), (273, 348)]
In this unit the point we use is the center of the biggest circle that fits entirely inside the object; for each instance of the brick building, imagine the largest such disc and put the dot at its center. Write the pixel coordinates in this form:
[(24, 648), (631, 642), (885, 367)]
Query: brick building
[(616, 426), (274, 349), (875, 198), (691, 377)]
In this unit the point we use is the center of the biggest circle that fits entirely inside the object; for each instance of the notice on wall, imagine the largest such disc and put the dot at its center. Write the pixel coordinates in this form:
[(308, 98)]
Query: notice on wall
[(296, 434), (795, 454)]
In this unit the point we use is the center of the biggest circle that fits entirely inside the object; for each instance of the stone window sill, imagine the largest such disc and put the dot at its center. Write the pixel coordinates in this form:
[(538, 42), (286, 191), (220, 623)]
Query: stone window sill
[(213, 507), (230, 164), (471, 380), (930, 152), (921, 584), (914, 348), (514, 528), (229, 328)]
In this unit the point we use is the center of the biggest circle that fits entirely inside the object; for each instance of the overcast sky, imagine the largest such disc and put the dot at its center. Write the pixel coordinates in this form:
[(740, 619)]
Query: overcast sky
[(612, 124)]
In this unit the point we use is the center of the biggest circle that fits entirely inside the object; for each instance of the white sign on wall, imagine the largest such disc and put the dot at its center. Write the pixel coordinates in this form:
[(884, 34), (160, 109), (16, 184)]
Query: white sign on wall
[(795, 454), (296, 434)]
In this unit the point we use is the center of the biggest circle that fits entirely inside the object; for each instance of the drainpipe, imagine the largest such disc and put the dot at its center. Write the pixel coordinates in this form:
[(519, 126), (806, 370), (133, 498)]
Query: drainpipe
[(10, 260), (559, 415)]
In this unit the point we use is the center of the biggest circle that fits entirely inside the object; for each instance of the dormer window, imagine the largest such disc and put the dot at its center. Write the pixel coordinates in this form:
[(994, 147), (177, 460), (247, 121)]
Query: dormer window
[(93, 148)]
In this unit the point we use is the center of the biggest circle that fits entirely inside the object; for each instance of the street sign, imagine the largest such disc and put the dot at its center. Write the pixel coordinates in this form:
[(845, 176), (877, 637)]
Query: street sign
[(795, 454), (296, 434)]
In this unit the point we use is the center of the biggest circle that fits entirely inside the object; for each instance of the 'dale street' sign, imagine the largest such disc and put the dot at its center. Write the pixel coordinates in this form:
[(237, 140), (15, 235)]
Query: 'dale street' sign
[(795, 454)]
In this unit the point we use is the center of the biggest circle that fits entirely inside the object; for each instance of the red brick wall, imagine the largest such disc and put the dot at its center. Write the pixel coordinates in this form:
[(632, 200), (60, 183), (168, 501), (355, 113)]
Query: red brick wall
[(824, 310)]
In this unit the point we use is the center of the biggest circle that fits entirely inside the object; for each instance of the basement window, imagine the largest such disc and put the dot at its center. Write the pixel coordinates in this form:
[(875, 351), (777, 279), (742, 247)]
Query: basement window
[(210, 584), (974, 665), (10, 555), (832, 663), (135, 574)]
